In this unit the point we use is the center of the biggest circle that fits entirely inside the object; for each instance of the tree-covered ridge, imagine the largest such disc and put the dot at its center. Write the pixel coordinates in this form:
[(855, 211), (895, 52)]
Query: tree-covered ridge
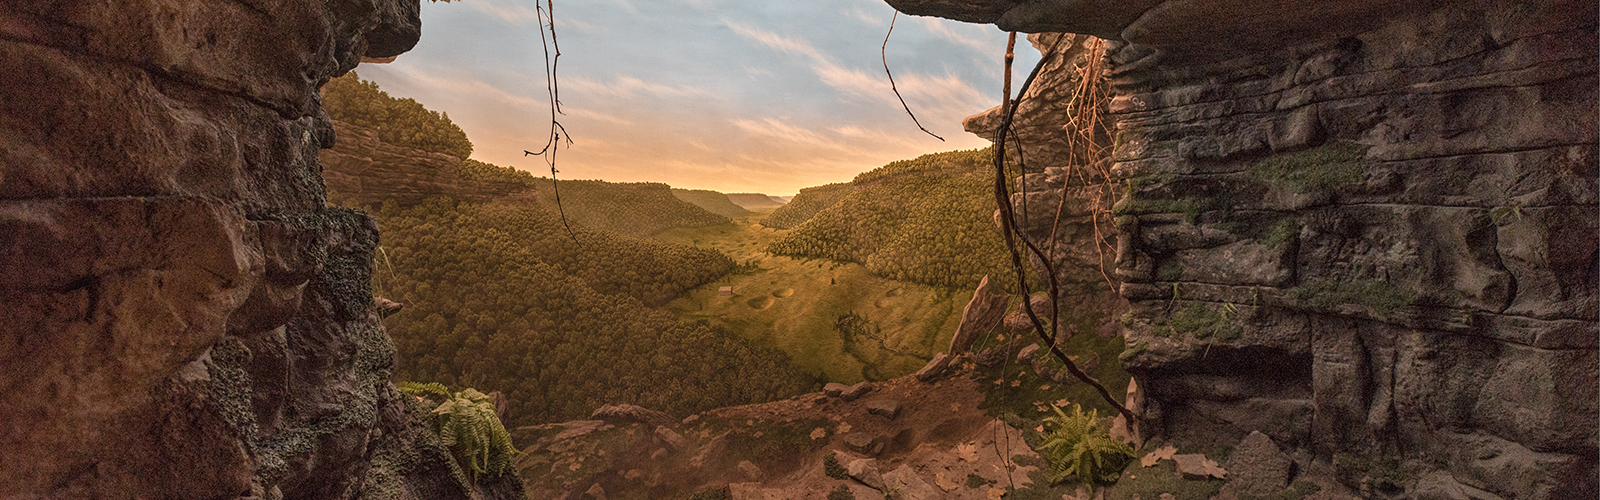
[(929, 220), (500, 298), (712, 201), (628, 208), (806, 204), (402, 122)]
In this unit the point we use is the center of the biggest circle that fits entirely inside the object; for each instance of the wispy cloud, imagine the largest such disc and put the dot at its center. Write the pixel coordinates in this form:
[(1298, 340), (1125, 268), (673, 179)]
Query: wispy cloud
[(777, 129), (627, 87), (941, 28), (510, 13), (855, 12)]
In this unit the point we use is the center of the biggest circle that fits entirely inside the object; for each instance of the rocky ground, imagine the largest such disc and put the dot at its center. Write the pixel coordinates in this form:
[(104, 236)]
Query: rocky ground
[(903, 439)]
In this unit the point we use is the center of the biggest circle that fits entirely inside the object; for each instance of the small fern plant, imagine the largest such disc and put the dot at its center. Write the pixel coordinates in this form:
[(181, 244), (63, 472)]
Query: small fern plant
[(1077, 445), (467, 425)]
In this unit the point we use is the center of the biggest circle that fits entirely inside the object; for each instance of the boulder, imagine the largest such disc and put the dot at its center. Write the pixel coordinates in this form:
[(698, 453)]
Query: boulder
[(626, 413), (595, 492), (865, 470), (859, 442), (888, 408), (671, 438), (934, 367), (1027, 353), (982, 314), (751, 471), (1197, 466), (856, 391), (909, 485), (1257, 467), (834, 389)]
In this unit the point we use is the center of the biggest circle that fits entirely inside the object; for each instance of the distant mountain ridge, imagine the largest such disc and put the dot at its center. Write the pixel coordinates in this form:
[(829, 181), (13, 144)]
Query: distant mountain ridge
[(754, 201), (712, 201)]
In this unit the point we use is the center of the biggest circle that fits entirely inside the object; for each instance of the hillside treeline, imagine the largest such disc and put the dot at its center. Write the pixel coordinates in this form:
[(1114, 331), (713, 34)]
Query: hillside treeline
[(712, 201), (806, 204), (499, 297), (636, 209), (927, 220), (399, 121)]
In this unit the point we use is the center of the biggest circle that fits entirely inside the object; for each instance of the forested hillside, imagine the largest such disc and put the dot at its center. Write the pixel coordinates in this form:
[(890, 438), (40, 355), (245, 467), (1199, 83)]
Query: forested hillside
[(806, 204), (399, 121), (712, 201), (927, 220), (499, 297)]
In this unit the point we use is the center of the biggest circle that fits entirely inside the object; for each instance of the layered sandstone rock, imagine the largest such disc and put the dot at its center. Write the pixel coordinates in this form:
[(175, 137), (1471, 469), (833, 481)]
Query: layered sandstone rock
[(1365, 230), (183, 315), (368, 171)]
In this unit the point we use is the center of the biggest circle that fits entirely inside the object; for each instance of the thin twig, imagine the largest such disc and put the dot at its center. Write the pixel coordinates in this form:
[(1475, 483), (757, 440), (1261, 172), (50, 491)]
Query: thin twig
[(884, 52), (557, 133)]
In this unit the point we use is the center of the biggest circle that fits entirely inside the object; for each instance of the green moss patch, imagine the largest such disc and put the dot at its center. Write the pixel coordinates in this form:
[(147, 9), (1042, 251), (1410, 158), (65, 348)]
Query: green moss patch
[(1318, 169), (1379, 297)]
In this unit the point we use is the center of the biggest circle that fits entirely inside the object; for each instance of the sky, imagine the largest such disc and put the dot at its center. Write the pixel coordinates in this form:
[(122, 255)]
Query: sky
[(729, 95)]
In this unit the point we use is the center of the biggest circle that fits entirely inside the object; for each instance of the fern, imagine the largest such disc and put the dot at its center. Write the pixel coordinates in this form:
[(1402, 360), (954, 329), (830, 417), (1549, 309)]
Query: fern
[(425, 390), (468, 426), (1078, 446)]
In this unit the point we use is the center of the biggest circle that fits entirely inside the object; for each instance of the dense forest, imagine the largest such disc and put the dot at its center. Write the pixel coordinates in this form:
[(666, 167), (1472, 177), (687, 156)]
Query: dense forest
[(805, 205), (501, 297), (927, 220), (399, 121)]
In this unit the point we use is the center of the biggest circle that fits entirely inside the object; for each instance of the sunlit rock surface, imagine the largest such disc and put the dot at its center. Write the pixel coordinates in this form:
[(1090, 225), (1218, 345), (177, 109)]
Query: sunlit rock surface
[(182, 315), (1365, 230)]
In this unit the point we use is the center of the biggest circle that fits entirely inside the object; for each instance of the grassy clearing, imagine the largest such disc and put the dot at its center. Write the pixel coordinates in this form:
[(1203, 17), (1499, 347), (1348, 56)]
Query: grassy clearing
[(794, 304)]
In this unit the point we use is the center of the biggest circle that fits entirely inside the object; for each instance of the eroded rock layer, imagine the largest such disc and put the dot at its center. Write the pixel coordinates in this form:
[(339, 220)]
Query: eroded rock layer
[(183, 315), (1373, 239)]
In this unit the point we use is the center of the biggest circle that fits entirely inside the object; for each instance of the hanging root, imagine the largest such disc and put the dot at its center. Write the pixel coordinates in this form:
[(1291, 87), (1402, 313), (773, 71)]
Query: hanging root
[(884, 52), (1009, 222)]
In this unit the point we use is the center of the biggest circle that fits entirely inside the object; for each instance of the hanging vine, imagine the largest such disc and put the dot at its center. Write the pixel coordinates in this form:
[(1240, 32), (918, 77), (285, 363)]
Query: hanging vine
[(557, 135)]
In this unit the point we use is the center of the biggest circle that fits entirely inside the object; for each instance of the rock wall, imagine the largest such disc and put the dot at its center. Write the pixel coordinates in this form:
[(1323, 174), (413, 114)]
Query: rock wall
[(1367, 230), (1062, 205), (183, 315), (367, 170)]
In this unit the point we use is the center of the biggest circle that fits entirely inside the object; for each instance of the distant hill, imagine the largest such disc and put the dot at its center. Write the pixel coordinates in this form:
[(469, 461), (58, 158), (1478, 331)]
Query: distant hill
[(635, 209), (754, 201), (928, 220), (712, 201), (806, 204)]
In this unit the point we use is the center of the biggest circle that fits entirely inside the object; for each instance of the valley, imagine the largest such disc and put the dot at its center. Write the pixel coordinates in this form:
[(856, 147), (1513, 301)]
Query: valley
[(795, 305)]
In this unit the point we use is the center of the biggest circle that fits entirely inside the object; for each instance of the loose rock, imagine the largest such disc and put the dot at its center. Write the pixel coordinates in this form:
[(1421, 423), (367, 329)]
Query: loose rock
[(834, 389), (751, 471), (673, 439), (855, 391), (865, 470), (934, 367), (626, 413), (884, 407)]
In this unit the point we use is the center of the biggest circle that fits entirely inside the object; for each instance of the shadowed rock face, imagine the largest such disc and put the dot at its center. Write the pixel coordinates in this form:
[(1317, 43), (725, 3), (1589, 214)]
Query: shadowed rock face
[(183, 316), (1372, 239)]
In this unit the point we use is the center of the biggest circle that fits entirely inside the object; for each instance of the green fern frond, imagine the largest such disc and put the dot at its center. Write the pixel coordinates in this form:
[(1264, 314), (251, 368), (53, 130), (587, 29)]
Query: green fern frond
[(468, 426), (1077, 446), (425, 390)]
